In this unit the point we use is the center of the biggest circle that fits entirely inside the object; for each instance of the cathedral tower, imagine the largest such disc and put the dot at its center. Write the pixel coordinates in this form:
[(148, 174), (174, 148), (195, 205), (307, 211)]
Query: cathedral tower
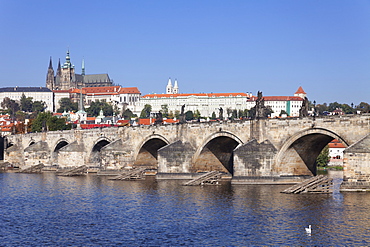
[(50, 76)]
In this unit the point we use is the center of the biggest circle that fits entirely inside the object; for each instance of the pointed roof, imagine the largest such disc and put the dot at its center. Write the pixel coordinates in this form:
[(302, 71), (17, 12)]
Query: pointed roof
[(175, 86), (300, 91), (50, 64)]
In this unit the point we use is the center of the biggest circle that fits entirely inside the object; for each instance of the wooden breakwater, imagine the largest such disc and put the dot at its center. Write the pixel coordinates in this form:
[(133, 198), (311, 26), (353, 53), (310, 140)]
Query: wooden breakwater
[(317, 184)]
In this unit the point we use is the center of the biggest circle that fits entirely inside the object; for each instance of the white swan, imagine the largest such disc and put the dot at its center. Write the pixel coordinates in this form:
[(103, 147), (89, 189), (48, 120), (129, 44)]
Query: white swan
[(308, 230)]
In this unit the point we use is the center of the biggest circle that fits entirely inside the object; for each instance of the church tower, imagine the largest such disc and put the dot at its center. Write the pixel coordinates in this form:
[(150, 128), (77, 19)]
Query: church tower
[(50, 76), (176, 88), (169, 89), (68, 74)]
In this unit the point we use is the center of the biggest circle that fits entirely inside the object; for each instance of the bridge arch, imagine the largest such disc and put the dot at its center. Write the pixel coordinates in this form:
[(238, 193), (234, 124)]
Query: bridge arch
[(216, 153), (58, 145), (298, 154), (95, 158), (147, 153)]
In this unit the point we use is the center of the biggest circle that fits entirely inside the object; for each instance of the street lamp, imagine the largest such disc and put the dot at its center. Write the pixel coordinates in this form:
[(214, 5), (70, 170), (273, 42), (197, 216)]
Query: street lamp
[(314, 109)]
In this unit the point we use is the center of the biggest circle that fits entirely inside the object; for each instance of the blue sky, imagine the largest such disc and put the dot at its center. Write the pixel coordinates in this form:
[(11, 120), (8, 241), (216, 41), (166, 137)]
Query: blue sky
[(208, 46)]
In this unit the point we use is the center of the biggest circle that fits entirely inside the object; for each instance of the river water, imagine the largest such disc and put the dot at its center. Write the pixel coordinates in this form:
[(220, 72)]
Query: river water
[(48, 210)]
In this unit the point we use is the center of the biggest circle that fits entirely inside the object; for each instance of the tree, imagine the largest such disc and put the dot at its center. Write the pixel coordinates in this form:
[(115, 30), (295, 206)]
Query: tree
[(323, 158), (282, 112), (189, 115), (145, 113), (234, 114), (363, 107), (11, 106), (38, 106), (95, 108), (127, 114), (26, 103), (67, 105), (213, 115), (20, 116), (54, 123), (39, 124), (164, 110), (46, 121)]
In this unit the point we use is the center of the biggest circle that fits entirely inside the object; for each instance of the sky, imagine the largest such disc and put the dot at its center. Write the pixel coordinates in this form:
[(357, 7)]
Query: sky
[(273, 46)]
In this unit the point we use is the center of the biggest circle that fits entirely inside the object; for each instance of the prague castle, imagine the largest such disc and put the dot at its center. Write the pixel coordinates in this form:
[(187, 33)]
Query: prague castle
[(66, 78)]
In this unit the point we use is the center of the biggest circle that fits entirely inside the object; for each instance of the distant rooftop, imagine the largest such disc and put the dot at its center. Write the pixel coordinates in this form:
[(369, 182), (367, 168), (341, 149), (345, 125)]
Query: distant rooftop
[(25, 89)]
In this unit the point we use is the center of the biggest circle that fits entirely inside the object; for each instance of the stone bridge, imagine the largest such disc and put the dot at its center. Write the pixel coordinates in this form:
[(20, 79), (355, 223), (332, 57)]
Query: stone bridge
[(252, 151)]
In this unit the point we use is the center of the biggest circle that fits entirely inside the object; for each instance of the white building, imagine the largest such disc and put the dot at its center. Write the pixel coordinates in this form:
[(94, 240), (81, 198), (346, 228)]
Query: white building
[(36, 93), (122, 97), (336, 149), (205, 103), (290, 104)]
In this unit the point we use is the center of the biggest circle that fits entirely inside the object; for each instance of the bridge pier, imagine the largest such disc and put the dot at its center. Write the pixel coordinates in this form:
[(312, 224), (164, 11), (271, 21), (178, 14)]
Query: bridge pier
[(356, 175)]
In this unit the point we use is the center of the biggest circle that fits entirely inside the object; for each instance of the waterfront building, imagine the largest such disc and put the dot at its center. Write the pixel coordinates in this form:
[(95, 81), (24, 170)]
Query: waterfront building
[(36, 93), (288, 104), (66, 78)]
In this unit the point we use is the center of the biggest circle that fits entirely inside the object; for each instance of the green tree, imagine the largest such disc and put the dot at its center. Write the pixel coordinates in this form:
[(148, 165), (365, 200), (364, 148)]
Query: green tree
[(145, 113), (189, 115), (67, 105), (96, 106), (11, 106), (127, 114), (234, 114), (38, 106), (20, 116), (323, 158), (164, 110), (39, 124), (282, 112), (26, 103), (54, 123), (363, 107), (213, 115)]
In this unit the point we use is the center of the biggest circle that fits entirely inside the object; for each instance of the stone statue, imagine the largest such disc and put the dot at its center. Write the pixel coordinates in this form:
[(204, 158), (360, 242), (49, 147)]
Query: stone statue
[(260, 110), (221, 113), (182, 114), (158, 118), (303, 112)]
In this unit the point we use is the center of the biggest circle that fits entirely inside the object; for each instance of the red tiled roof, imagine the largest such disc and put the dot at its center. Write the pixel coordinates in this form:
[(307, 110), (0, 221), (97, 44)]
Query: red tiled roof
[(195, 94), (277, 98), (146, 121), (300, 90), (129, 90), (336, 144)]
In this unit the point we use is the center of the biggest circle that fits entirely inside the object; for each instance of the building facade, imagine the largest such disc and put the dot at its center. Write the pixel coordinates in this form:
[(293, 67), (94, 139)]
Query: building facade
[(36, 93), (205, 103), (278, 104), (66, 77)]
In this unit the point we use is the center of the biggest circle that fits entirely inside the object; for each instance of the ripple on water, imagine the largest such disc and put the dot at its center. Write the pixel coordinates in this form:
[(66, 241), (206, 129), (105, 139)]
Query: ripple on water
[(43, 209)]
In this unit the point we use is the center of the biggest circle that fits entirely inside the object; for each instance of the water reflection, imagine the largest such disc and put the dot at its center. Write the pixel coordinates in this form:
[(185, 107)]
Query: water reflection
[(44, 209)]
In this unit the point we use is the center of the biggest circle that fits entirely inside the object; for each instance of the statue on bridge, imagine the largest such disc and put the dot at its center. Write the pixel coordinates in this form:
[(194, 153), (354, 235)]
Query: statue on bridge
[(182, 114), (303, 112), (158, 118), (260, 110), (221, 113)]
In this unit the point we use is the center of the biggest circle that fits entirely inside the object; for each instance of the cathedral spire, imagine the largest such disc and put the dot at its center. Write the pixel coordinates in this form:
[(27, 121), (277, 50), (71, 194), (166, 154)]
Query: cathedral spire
[(50, 64), (59, 70)]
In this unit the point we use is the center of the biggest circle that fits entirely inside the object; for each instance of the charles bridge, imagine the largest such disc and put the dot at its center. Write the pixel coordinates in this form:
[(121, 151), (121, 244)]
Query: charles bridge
[(251, 151)]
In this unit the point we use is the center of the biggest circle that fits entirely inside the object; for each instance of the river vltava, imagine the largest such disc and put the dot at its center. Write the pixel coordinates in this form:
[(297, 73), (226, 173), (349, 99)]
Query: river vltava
[(48, 210)]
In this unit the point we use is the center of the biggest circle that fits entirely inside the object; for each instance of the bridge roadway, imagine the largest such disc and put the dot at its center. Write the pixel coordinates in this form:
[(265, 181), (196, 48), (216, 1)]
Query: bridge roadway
[(252, 151)]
